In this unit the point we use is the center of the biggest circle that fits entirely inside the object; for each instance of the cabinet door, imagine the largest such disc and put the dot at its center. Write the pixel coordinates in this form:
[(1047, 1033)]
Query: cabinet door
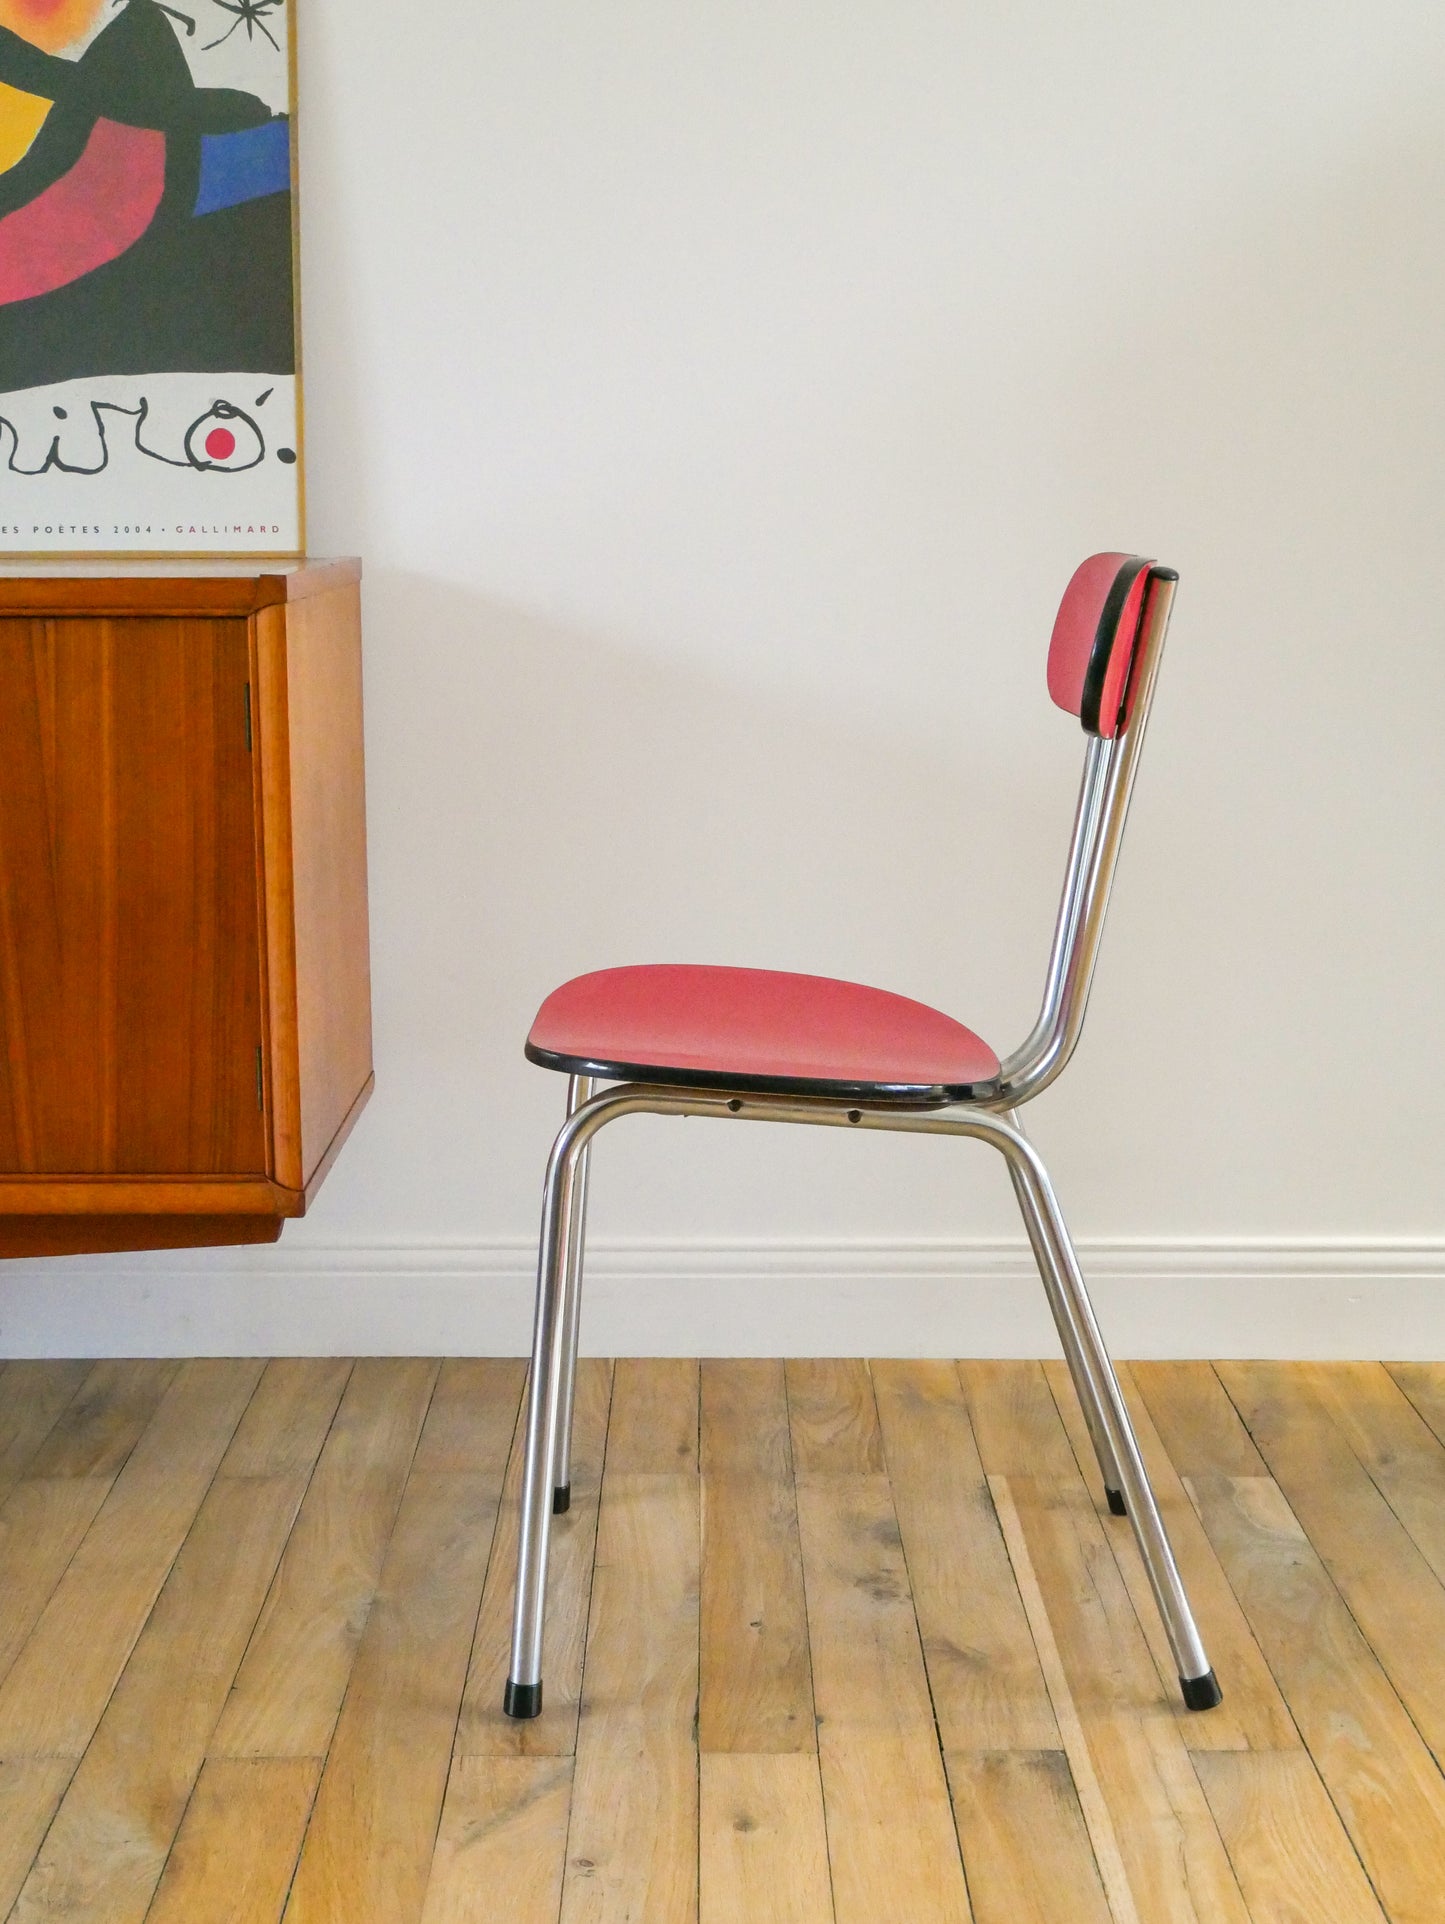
[(130, 972)]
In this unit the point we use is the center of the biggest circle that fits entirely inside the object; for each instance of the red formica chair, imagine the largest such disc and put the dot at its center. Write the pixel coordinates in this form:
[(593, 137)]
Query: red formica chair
[(757, 1045)]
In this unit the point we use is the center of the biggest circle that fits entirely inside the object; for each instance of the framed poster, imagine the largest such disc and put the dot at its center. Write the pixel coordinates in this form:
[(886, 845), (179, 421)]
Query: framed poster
[(149, 365)]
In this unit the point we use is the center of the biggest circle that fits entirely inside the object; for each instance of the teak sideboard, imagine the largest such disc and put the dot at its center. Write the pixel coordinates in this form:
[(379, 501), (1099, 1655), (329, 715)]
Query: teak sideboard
[(185, 992)]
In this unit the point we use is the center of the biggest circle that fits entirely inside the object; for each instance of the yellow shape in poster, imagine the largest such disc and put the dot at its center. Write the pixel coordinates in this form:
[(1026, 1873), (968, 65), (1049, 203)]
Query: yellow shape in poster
[(22, 116)]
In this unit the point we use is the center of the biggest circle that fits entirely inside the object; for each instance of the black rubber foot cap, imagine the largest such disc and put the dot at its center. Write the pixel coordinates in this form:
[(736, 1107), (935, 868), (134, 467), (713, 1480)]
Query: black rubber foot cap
[(561, 1498), (1201, 1693), (522, 1699), (1117, 1505)]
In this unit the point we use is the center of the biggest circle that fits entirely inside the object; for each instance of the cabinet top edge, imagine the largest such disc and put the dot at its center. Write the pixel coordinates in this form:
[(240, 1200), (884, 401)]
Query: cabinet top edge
[(236, 587)]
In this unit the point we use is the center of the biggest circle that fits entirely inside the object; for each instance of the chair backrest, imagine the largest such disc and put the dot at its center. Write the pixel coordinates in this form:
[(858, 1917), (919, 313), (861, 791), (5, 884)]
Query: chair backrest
[(1095, 637), (1103, 660)]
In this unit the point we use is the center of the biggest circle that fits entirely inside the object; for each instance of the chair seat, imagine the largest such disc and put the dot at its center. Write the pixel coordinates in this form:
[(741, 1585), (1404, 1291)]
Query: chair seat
[(759, 1029)]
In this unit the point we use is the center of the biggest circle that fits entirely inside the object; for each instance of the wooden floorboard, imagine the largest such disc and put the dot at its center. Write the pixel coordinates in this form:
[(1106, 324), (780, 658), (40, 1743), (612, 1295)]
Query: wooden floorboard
[(892, 1844), (1254, 1716), (984, 1675), (368, 1848), (1174, 1862), (756, 1685), (632, 1846), (762, 1845), (59, 1684), (1386, 1584), (829, 1642), (32, 1398), (291, 1684), (1380, 1776)]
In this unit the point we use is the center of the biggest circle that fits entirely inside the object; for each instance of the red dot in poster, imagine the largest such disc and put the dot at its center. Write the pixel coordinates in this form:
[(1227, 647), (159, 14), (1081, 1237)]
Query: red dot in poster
[(220, 444)]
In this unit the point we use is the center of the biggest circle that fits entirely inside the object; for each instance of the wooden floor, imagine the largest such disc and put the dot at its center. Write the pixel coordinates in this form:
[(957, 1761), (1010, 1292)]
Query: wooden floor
[(836, 1642)]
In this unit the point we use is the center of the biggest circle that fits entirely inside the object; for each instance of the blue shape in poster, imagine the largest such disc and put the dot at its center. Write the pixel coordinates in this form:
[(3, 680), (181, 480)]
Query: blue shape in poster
[(244, 166)]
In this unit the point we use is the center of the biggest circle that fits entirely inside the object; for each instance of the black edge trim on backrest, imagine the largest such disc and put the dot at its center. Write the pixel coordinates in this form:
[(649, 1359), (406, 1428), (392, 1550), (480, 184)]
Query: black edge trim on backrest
[(1156, 573), (1097, 671)]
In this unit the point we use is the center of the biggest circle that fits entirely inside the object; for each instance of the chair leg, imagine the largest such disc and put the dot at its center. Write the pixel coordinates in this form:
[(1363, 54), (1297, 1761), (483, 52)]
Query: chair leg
[(1196, 1678), (523, 1695), (579, 1090), (1056, 1291)]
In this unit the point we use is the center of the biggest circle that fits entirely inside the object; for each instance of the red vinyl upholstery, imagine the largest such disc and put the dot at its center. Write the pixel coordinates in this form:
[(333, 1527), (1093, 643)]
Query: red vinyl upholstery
[(758, 1028), (1094, 637)]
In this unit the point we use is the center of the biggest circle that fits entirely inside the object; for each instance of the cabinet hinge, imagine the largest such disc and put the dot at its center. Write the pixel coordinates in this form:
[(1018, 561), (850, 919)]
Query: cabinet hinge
[(248, 717), (260, 1080)]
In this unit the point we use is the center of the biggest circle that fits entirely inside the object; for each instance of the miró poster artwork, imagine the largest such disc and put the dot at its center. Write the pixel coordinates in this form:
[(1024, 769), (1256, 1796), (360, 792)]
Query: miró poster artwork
[(149, 399)]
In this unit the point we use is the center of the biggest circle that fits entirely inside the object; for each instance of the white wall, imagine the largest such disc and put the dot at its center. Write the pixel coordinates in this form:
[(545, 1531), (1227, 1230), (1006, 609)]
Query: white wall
[(720, 398)]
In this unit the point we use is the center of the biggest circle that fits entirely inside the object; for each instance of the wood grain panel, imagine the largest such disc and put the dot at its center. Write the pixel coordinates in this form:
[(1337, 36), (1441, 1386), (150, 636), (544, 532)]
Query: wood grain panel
[(130, 971), (165, 588), (73, 1234), (308, 658), (153, 1196)]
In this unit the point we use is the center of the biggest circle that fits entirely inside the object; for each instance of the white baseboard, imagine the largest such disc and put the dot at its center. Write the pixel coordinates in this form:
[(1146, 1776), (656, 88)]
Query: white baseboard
[(1260, 1297)]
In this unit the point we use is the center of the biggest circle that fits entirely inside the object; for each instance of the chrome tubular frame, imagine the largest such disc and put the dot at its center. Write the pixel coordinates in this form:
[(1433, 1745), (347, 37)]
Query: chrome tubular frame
[(580, 1089), (1109, 771), (1046, 1226), (1057, 1290)]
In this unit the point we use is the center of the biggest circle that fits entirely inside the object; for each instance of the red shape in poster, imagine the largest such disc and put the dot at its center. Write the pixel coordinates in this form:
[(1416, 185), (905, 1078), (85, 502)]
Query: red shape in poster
[(91, 215)]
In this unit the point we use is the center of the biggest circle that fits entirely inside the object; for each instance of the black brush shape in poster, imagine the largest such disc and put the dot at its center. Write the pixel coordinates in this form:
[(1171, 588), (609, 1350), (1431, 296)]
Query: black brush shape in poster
[(223, 440), (250, 14), (195, 294)]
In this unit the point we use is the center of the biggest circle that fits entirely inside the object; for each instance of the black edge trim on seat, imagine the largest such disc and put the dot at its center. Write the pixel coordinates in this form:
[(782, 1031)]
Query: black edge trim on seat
[(1097, 671), (928, 1095)]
